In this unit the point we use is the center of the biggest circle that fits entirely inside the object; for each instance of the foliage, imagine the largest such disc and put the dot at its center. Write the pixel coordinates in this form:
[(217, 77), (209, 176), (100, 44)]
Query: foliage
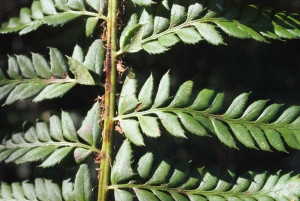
[(178, 182), (154, 27)]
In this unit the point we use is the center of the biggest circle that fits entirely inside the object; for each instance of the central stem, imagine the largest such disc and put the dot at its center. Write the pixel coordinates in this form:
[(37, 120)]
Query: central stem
[(109, 101)]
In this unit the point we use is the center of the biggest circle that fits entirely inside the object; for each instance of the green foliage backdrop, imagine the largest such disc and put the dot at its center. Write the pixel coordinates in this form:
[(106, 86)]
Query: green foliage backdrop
[(267, 71)]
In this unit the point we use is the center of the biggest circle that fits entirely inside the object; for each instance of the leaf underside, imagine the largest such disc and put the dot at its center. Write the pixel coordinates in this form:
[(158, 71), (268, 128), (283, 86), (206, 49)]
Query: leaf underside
[(194, 22), (54, 13), (258, 125), (167, 181), (54, 141), (38, 78), (46, 190)]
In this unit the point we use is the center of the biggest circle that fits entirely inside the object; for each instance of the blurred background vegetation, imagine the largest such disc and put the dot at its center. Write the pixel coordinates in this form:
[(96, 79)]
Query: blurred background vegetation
[(268, 71)]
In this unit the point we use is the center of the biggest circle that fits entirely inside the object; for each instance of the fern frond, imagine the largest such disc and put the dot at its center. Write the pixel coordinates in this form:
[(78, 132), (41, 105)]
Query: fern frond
[(191, 23), (166, 181), (255, 126), (47, 190), (55, 141), (35, 77), (54, 13)]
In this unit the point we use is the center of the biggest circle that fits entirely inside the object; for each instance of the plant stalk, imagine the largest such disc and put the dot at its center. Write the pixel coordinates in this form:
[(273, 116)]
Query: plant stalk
[(109, 101)]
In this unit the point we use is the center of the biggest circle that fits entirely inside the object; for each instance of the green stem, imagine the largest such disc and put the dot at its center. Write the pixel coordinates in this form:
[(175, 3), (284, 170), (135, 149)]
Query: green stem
[(109, 101)]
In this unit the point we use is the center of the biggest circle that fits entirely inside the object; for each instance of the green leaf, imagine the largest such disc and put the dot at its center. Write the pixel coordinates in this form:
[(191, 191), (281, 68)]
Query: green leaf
[(145, 164), (254, 110), (179, 174), (132, 131), (191, 124), (171, 123), (133, 39), (144, 195), (128, 100), (28, 190), (288, 116), (121, 195), (26, 66), (36, 10), (98, 5), (189, 35), (259, 137), (31, 27), (154, 47), (76, 4), (25, 14), (194, 11), (217, 103), (82, 75), (143, 2), (41, 66), (58, 63), (80, 154), (168, 40), (178, 13), (145, 95), (269, 113), (42, 131), (149, 126), (242, 135), (53, 91), (289, 138), (78, 54), (160, 174), (162, 196), (182, 96), (68, 127), (90, 26), (130, 25), (147, 20), (161, 19), (163, 91), (83, 184), (210, 179), (90, 129), (231, 29), (237, 107), (209, 33), (36, 154), (274, 139), (24, 91), (5, 90), (60, 18), (95, 57), (48, 7), (223, 133), (121, 169), (203, 100), (55, 128), (56, 156), (13, 68)]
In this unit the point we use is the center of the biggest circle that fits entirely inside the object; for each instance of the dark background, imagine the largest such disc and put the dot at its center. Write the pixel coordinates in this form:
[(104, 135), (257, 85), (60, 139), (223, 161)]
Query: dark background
[(269, 71)]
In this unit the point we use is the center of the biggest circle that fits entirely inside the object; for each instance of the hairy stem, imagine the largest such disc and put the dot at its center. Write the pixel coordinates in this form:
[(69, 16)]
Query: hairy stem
[(109, 101)]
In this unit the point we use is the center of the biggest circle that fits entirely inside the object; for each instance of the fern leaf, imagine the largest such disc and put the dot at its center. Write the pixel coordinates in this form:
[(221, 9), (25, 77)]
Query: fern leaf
[(36, 77), (53, 143), (255, 126), (46, 190), (53, 13), (176, 182), (121, 169), (192, 23), (143, 2)]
